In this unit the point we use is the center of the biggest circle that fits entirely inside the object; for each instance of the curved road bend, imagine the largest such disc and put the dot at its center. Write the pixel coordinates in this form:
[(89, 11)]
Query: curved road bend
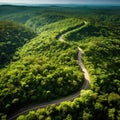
[(68, 98), (60, 37)]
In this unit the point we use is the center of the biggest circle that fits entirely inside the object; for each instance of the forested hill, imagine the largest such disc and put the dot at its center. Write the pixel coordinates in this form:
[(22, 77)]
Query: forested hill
[(12, 36), (40, 68)]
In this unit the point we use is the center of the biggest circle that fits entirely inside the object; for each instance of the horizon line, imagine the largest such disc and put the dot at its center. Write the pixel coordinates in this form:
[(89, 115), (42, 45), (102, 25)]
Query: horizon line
[(37, 4)]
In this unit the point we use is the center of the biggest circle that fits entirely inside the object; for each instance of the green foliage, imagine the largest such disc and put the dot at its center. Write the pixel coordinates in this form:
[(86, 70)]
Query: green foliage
[(39, 77), (90, 31), (12, 36), (40, 21), (44, 68)]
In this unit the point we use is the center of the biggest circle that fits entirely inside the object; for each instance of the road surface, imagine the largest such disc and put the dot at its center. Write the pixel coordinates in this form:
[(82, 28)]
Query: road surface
[(85, 85)]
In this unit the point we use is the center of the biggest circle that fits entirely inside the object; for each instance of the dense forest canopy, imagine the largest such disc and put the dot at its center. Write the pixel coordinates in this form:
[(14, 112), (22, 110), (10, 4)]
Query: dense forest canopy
[(12, 36), (36, 67)]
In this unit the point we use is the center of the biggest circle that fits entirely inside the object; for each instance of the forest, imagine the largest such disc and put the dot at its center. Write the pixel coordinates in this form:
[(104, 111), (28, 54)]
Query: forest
[(36, 67)]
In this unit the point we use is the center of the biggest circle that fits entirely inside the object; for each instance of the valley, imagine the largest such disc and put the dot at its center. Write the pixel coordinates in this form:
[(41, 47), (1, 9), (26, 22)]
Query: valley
[(59, 63)]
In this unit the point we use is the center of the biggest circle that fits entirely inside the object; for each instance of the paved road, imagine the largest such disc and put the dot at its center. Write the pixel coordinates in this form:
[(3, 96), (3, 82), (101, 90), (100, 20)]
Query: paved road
[(67, 98), (61, 36)]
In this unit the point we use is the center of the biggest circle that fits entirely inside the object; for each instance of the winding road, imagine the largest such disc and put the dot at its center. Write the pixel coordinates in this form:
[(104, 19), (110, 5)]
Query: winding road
[(85, 85)]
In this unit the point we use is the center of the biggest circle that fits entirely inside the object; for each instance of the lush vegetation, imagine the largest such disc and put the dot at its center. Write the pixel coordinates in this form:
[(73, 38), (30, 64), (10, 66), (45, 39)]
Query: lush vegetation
[(44, 68), (40, 21), (12, 36)]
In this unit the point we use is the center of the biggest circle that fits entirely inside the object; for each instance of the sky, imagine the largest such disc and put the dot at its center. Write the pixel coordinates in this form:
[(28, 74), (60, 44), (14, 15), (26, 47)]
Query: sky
[(61, 2)]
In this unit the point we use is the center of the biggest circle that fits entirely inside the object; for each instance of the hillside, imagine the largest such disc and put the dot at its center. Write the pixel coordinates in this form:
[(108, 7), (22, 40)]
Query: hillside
[(39, 77), (42, 68), (101, 57), (12, 36), (40, 21)]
